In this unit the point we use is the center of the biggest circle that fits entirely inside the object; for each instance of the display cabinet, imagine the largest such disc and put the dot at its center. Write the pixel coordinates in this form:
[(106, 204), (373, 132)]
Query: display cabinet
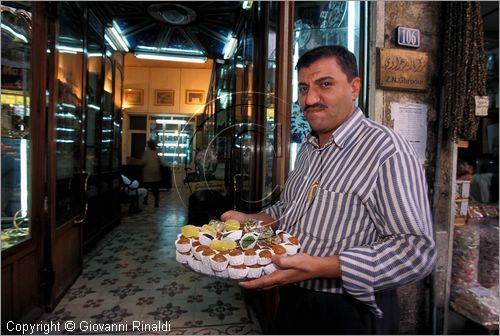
[(65, 177), (174, 135), (102, 133), (23, 111), (15, 141)]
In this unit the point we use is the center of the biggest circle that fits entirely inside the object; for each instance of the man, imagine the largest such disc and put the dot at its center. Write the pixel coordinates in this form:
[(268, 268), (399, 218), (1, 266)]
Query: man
[(357, 201)]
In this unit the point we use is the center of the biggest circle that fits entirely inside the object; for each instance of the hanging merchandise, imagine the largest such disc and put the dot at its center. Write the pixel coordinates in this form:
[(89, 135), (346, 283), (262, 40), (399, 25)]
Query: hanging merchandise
[(464, 67)]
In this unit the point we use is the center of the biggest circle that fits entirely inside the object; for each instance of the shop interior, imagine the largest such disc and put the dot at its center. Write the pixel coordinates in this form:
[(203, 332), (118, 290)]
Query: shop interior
[(215, 123)]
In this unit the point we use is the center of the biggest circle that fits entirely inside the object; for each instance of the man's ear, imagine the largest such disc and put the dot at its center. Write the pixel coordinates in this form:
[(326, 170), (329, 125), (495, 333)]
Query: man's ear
[(355, 87)]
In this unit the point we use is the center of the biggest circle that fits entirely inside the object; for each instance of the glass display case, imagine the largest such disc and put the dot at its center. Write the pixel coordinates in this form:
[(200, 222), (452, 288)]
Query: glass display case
[(68, 116), (319, 23), (174, 136), (93, 96), (107, 128), (117, 118), (15, 142)]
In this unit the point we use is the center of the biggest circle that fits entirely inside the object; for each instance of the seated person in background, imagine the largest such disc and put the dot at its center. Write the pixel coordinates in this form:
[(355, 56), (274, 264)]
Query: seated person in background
[(482, 185), (133, 188), (464, 171)]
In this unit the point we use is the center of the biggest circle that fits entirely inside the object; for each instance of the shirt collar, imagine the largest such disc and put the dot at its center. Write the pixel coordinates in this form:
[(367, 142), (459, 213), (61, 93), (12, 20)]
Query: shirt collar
[(342, 134)]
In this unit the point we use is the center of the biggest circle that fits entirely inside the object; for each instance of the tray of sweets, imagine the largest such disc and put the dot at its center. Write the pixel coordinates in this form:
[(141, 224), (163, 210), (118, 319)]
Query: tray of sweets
[(233, 250)]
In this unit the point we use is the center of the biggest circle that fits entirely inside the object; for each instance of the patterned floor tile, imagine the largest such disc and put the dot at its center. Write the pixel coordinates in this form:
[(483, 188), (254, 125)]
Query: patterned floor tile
[(131, 275)]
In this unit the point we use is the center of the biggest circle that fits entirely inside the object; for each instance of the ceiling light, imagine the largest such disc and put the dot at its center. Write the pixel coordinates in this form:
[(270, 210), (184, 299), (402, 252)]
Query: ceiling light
[(247, 4), (171, 122), (230, 48), (68, 50), (14, 33), (174, 58), (108, 39), (115, 35)]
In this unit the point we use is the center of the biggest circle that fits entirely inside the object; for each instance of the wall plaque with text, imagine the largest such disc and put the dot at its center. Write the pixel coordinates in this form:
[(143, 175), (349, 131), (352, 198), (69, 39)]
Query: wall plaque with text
[(402, 69)]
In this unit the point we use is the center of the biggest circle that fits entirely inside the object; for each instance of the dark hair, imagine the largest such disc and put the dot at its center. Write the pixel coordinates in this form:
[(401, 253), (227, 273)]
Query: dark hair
[(151, 144), (345, 58)]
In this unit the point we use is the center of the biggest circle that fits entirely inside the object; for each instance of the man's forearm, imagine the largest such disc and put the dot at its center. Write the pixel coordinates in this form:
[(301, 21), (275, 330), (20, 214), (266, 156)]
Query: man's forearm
[(265, 218)]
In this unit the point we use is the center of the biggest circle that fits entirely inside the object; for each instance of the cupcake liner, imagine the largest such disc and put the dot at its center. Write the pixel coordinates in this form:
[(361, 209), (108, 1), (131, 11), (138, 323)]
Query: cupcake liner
[(254, 272), (194, 264), (290, 248), (183, 248), (222, 274), (206, 269), (198, 251), (218, 265), (263, 260), (237, 273), (206, 259), (181, 257), (236, 260), (251, 259), (270, 268), (205, 238)]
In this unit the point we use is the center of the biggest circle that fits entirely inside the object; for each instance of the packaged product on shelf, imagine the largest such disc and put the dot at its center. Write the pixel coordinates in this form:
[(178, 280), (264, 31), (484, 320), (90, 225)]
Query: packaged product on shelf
[(465, 256), (479, 304), (462, 189), (488, 255)]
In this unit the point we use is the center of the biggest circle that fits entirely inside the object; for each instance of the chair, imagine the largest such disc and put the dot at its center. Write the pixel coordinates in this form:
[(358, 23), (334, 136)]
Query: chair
[(130, 198)]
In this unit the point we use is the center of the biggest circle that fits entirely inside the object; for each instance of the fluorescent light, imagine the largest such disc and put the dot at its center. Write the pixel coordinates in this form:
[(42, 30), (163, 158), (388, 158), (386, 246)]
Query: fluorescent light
[(68, 50), (116, 35), (351, 21), (14, 33), (174, 58), (147, 48), (230, 48), (247, 4), (171, 122), (182, 51), (108, 39)]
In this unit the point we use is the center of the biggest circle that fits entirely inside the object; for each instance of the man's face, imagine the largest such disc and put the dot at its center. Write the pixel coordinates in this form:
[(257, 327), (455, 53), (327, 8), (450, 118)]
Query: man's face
[(326, 96)]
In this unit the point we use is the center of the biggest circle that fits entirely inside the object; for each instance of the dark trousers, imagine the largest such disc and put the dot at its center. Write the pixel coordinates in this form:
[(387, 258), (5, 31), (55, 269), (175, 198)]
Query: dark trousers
[(303, 311), (155, 187)]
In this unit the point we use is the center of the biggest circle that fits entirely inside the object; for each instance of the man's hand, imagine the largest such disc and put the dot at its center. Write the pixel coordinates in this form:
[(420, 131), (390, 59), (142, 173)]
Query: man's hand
[(240, 217), (296, 268), (231, 214)]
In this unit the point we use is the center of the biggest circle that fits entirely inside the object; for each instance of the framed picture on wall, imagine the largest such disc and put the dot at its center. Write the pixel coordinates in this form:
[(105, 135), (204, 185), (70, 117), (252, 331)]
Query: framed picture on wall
[(164, 97), (133, 96), (195, 97)]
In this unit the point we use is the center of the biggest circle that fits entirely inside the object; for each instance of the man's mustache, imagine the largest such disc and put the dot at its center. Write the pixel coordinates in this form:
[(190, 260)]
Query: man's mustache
[(314, 106)]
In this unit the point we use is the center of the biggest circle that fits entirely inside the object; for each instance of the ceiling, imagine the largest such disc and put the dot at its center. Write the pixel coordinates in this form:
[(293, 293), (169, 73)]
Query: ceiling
[(184, 27)]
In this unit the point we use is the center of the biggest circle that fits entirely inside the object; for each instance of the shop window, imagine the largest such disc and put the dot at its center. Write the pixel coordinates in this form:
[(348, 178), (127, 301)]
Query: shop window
[(318, 23), (15, 143)]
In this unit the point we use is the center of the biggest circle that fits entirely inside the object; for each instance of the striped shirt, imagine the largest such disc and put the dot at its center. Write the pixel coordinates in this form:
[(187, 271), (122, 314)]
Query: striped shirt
[(362, 196)]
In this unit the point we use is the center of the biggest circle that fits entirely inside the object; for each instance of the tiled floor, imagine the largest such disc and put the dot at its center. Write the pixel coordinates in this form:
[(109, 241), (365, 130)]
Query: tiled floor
[(132, 275)]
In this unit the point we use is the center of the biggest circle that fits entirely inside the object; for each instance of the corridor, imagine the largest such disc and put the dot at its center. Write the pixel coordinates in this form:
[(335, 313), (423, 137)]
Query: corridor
[(131, 275)]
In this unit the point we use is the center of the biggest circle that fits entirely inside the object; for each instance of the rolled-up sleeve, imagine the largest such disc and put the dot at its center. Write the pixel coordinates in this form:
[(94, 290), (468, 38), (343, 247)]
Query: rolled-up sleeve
[(405, 250), (275, 210)]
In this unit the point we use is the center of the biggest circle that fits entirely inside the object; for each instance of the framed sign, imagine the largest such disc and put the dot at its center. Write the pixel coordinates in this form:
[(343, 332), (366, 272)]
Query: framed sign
[(133, 96), (402, 69), (195, 97), (164, 97)]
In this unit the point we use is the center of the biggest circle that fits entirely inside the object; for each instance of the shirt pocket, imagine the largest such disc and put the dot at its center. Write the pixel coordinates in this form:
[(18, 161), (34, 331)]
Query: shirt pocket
[(335, 216)]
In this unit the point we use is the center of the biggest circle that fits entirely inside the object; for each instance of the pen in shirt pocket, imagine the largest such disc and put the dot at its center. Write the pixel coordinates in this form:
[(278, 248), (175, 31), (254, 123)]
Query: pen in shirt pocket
[(311, 190)]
